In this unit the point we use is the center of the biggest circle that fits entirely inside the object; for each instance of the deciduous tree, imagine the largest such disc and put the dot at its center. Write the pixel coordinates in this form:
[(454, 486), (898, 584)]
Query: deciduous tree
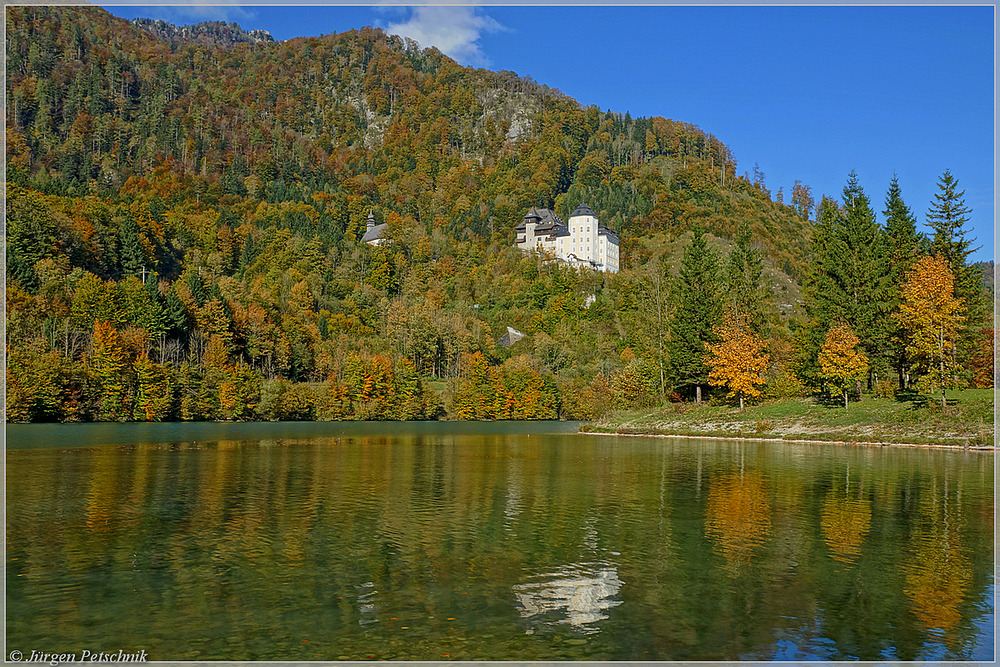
[(108, 364), (932, 316), (738, 361), (154, 390), (841, 362)]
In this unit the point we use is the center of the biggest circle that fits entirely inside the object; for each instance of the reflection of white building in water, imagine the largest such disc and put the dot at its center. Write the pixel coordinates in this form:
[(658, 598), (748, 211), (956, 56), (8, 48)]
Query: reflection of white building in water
[(577, 595), (583, 241), (367, 605)]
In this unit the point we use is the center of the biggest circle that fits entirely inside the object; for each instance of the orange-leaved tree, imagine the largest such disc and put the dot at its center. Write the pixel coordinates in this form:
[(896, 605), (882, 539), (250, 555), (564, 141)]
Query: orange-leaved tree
[(108, 366), (841, 362), (932, 314), (738, 361)]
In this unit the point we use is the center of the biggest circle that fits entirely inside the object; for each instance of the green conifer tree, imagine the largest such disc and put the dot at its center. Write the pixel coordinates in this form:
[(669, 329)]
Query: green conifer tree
[(698, 291), (746, 294), (905, 246), (850, 281), (133, 259), (947, 216), (861, 273), (822, 304)]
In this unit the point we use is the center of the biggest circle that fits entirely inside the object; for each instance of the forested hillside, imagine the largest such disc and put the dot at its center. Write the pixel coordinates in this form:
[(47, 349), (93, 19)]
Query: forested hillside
[(185, 208)]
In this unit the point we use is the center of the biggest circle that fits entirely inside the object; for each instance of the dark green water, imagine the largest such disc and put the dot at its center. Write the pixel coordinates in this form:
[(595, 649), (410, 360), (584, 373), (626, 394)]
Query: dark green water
[(507, 541)]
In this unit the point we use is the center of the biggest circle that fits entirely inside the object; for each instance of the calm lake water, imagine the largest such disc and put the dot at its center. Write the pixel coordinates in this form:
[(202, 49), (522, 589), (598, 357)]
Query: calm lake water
[(501, 541)]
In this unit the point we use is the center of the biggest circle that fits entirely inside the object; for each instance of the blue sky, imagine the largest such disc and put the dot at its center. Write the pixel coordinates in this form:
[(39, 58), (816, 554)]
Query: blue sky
[(806, 93)]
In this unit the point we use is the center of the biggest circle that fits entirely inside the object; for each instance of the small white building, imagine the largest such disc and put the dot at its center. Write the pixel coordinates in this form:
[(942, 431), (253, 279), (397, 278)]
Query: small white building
[(376, 234), (583, 241)]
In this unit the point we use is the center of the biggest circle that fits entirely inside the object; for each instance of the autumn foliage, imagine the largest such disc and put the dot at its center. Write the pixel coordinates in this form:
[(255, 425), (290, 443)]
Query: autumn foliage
[(185, 244), (932, 315), (841, 362), (738, 361)]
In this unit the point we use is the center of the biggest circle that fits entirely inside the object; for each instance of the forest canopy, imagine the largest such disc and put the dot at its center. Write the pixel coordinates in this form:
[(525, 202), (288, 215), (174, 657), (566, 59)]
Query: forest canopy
[(184, 219)]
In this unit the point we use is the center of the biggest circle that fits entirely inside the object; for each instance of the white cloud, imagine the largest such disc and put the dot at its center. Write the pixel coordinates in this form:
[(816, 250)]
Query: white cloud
[(455, 31)]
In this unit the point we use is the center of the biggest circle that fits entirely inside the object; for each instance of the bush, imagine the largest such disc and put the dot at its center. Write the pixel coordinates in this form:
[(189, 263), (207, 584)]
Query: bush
[(783, 384), (633, 386), (884, 389), (269, 407)]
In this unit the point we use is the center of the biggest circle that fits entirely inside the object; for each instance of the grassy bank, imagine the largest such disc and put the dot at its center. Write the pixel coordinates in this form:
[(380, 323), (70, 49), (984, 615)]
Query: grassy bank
[(968, 420)]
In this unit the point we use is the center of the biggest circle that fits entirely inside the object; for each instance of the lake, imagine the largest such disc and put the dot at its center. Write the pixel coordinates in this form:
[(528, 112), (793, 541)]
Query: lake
[(491, 541)]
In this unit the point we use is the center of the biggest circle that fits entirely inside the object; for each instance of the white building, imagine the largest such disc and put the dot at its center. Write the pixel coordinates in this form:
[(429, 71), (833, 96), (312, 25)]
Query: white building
[(376, 234), (583, 241)]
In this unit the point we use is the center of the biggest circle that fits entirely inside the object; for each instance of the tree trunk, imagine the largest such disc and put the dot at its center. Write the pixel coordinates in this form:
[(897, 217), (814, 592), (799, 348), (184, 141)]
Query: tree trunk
[(741, 400), (697, 394), (944, 403), (845, 399)]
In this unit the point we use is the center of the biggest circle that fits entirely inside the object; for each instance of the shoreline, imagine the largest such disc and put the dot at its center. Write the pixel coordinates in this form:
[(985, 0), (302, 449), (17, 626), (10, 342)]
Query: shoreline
[(860, 443)]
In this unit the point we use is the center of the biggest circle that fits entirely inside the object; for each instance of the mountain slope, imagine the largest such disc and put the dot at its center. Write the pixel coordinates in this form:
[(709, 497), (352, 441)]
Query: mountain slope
[(184, 223), (362, 114)]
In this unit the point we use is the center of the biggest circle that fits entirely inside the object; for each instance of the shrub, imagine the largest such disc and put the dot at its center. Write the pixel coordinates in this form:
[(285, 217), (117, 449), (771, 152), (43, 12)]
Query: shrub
[(782, 383), (884, 389)]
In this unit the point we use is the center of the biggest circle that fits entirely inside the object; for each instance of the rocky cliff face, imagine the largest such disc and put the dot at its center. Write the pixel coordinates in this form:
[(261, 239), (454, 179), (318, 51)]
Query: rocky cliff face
[(208, 33)]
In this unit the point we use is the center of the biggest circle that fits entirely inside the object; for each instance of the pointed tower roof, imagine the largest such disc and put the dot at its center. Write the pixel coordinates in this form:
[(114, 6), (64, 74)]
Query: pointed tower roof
[(583, 209)]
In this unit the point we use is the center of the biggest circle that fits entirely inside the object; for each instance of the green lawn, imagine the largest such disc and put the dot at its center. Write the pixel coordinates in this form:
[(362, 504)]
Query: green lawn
[(968, 420)]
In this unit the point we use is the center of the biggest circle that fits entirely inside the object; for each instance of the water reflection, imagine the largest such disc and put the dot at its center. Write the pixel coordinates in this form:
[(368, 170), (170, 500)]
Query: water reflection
[(739, 517), (939, 574), (577, 594), (846, 521), (367, 606), (493, 546)]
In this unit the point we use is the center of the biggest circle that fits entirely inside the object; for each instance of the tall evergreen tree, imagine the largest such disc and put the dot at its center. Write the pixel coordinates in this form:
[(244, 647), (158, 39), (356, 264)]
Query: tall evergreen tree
[(132, 256), (822, 306), (901, 227), (698, 292), (861, 272), (746, 294), (905, 246), (851, 279), (947, 216)]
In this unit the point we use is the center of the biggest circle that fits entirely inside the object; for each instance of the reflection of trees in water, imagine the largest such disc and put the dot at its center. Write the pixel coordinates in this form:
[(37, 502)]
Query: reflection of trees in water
[(104, 488), (739, 517), (349, 540), (939, 575), (846, 521)]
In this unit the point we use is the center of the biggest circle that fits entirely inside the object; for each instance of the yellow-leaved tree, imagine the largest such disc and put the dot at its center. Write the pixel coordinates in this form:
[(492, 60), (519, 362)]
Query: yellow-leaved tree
[(931, 314), (738, 361), (841, 363)]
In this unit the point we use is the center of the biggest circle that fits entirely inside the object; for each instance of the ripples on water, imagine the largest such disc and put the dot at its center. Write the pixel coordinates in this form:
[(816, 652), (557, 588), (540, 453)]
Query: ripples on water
[(577, 594), (493, 542)]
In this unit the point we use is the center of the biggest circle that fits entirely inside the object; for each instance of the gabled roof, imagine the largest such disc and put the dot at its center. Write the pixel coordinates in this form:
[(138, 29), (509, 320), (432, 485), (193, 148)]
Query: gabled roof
[(377, 232), (543, 218), (509, 338)]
